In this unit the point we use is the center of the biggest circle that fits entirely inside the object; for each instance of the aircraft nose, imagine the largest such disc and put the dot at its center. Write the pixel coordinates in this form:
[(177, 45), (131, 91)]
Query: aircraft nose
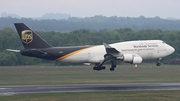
[(170, 49)]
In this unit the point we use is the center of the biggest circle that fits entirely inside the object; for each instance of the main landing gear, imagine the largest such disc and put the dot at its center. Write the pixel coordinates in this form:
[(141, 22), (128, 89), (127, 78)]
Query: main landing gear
[(108, 58), (98, 67), (158, 62), (113, 65)]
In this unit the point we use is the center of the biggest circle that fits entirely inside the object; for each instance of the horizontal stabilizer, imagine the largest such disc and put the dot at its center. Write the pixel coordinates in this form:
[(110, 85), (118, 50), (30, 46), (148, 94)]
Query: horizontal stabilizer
[(11, 50), (87, 64)]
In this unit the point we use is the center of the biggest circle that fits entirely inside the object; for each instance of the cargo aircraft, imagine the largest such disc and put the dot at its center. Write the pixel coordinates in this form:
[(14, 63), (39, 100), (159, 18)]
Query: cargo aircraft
[(133, 52)]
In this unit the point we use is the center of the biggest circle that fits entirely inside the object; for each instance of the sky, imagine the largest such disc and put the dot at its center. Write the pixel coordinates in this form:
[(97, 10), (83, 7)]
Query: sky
[(88, 8)]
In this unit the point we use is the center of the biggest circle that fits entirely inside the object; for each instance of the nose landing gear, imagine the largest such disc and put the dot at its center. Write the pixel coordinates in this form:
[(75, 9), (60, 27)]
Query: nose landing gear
[(158, 62)]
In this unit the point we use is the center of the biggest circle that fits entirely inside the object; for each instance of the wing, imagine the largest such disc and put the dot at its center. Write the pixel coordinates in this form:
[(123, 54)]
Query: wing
[(112, 51), (111, 55)]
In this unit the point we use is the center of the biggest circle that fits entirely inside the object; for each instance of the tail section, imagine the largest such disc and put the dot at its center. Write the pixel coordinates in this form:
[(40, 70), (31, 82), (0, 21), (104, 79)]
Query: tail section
[(29, 38)]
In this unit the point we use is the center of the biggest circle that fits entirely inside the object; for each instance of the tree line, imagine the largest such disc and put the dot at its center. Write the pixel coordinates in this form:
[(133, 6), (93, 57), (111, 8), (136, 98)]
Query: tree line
[(9, 39), (97, 22)]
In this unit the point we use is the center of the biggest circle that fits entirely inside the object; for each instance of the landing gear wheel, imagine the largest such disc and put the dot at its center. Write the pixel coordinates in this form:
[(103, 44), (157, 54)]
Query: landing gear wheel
[(99, 68), (94, 68), (111, 69), (103, 67), (158, 64)]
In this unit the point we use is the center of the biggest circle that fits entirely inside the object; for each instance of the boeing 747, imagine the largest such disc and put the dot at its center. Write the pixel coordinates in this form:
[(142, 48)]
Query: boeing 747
[(133, 52)]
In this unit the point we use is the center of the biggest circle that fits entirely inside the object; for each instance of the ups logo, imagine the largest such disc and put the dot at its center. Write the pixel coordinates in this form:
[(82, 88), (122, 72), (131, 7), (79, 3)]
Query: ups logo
[(27, 36)]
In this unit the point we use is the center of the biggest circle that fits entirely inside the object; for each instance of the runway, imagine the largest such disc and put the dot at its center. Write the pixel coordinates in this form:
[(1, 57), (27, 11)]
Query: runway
[(12, 90)]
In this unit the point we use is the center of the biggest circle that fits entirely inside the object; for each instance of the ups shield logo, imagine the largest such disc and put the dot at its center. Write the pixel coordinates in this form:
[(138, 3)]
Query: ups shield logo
[(27, 36)]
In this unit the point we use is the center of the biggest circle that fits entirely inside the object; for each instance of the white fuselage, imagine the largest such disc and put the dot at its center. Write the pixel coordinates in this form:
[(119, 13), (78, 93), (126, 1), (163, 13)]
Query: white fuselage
[(146, 49)]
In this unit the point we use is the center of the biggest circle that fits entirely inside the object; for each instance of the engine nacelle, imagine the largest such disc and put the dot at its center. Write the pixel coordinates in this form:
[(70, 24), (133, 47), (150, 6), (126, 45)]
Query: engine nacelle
[(133, 59)]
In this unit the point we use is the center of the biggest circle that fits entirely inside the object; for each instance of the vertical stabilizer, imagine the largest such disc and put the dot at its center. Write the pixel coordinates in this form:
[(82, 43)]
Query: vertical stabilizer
[(29, 38)]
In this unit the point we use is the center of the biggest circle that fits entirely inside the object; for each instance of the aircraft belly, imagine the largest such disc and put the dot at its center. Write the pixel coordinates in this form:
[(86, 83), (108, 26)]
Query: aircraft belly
[(149, 55), (97, 54), (160, 54), (77, 58)]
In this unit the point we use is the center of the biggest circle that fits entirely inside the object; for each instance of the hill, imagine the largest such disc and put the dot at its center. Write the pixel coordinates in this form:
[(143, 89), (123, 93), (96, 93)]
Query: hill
[(94, 23)]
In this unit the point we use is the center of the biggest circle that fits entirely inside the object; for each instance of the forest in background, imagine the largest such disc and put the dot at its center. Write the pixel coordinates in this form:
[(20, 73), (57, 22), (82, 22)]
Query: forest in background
[(97, 23), (9, 39)]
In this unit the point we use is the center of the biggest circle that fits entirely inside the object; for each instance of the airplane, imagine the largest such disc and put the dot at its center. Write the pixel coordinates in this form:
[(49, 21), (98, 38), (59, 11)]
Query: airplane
[(133, 52)]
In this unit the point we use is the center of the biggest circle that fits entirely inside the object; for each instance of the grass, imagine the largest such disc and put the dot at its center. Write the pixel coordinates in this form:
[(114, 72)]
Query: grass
[(52, 75), (99, 96)]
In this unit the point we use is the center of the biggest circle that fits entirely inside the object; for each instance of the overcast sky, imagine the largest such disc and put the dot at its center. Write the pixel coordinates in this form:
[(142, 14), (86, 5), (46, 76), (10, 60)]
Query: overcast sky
[(87, 8)]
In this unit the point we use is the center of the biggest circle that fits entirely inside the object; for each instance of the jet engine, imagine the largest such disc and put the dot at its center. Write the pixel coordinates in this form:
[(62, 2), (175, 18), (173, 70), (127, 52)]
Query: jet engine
[(133, 59)]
